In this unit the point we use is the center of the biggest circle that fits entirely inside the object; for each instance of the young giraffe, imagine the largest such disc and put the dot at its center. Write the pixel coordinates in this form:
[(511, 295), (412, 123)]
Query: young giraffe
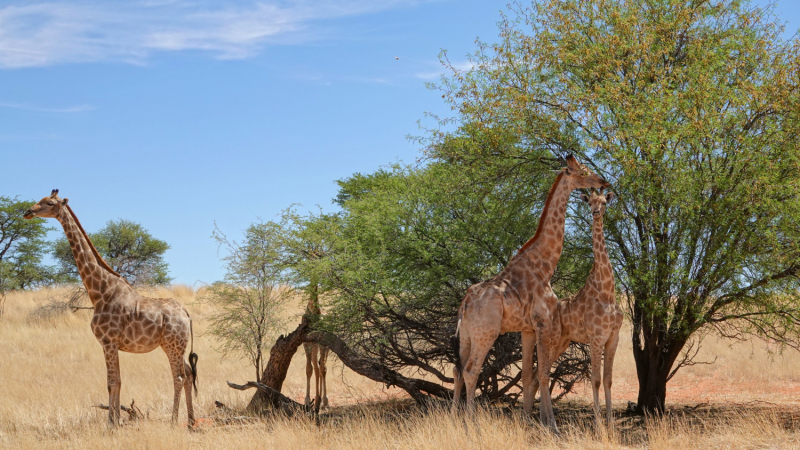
[(520, 298), (124, 320), (592, 316), (316, 359)]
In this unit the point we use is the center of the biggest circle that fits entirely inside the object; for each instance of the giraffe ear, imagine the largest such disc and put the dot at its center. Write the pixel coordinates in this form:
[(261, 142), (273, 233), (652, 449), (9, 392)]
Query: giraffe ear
[(585, 198), (609, 196), (64, 201)]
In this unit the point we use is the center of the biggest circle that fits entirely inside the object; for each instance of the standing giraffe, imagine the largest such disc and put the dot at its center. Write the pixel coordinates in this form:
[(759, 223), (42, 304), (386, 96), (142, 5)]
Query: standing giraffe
[(520, 298), (316, 359), (124, 320), (592, 316)]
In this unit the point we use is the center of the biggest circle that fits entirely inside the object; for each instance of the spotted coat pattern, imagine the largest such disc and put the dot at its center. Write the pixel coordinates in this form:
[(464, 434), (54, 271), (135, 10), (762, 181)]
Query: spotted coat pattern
[(592, 315), (124, 320), (520, 298)]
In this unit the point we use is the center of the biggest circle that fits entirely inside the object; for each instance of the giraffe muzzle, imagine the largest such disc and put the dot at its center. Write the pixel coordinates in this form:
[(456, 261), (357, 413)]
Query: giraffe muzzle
[(27, 214)]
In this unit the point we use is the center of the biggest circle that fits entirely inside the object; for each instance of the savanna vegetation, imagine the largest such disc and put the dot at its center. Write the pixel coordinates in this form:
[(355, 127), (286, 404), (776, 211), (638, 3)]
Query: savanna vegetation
[(53, 375), (691, 109)]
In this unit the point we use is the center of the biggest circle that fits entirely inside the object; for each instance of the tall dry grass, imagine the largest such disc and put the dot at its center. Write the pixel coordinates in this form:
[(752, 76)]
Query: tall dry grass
[(52, 373)]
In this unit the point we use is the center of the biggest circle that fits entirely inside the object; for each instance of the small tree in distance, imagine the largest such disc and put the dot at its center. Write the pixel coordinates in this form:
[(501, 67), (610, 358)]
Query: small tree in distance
[(22, 247), (127, 247), (252, 296)]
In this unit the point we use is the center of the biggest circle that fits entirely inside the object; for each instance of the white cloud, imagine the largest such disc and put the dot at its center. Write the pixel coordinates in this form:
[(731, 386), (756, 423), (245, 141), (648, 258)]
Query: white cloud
[(69, 109), (40, 34), (464, 66)]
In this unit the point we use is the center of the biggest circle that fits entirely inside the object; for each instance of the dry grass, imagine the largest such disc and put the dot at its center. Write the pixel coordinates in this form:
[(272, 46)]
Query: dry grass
[(52, 373)]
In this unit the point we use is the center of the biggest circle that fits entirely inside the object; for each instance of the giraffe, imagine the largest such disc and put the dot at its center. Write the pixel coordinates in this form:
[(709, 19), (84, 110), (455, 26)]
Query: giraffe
[(592, 315), (316, 359), (520, 298), (124, 320)]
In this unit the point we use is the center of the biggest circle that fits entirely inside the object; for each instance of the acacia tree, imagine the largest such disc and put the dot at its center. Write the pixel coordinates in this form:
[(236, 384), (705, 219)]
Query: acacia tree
[(252, 295), (127, 247), (692, 109), (22, 247)]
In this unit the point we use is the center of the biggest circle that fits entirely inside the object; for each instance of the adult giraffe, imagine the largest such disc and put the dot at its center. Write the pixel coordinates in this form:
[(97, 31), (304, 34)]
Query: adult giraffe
[(592, 315), (520, 298), (124, 320)]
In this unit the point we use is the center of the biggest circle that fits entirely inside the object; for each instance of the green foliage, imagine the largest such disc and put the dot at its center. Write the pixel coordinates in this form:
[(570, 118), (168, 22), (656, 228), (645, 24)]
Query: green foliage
[(22, 247), (252, 296), (406, 246), (692, 109), (127, 247)]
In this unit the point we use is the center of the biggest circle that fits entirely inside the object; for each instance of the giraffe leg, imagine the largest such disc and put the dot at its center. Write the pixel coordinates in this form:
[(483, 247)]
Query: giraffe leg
[(535, 377), (179, 378), (464, 350), (545, 340), (315, 364), (187, 386), (114, 383), (309, 372), (528, 345), (480, 347), (323, 371), (608, 367), (596, 350)]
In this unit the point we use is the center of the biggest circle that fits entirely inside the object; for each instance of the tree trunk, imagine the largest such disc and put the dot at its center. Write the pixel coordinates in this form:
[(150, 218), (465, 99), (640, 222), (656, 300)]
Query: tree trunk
[(654, 361), (280, 357), (652, 393)]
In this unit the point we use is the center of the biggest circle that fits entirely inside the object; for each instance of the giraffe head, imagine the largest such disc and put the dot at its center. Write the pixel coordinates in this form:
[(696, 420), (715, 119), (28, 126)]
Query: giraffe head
[(49, 206), (597, 201), (580, 177)]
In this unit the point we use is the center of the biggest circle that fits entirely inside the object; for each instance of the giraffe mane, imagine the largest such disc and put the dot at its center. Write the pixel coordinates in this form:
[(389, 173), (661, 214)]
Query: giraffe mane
[(532, 240), (97, 256)]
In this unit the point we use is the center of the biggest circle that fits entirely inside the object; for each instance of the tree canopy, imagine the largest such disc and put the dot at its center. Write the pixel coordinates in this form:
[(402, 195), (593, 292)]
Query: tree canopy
[(127, 247), (691, 109), (22, 247)]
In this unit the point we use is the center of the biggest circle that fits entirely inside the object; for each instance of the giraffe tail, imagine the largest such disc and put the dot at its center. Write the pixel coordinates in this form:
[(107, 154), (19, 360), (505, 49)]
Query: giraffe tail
[(193, 359), (455, 343)]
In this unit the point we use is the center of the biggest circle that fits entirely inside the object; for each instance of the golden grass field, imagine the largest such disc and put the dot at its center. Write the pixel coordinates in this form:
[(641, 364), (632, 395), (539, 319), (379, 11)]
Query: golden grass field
[(52, 373)]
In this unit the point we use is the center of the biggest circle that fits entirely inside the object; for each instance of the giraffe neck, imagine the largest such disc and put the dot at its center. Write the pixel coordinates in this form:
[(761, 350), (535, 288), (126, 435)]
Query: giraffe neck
[(548, 242), (96, 278), (313, 300), (602, 265)]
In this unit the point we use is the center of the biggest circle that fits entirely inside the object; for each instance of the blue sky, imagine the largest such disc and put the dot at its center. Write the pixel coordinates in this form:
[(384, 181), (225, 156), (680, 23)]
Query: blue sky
[(180, 113)]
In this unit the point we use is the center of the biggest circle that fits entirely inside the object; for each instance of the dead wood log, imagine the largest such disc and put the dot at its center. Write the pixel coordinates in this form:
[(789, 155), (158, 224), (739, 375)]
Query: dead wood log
[(134, 413), (280, 357), (275, 398)]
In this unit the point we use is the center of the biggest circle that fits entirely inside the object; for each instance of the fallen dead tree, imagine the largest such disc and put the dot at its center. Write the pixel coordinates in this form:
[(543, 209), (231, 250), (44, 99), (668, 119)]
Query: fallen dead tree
[(268, 388), (274, 397)]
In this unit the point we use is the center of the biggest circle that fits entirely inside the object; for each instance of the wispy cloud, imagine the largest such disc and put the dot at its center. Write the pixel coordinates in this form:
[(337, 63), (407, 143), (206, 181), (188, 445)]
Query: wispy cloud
[(40, 34), (69, 109), (464, 66)]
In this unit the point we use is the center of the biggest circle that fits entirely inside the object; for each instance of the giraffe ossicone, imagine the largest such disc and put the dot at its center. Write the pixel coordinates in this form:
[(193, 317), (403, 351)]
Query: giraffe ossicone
[(124, 320)]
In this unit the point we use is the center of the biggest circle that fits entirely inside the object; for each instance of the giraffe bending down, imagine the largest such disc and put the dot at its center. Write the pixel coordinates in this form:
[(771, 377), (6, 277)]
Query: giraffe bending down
[(124, 320), (316, 360), (520, 298), (592, 315)]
